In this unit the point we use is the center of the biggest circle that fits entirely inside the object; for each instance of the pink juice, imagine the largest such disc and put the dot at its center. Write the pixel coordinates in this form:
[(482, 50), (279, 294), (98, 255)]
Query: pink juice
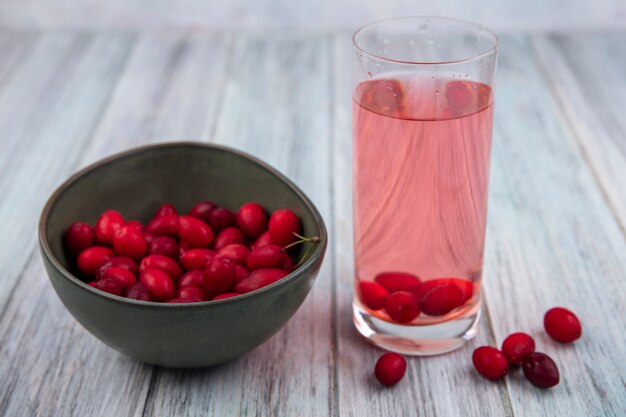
[(421, 170)]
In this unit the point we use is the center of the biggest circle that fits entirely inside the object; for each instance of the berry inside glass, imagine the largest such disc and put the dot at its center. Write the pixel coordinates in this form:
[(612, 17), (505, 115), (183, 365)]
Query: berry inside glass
[(423, 107)]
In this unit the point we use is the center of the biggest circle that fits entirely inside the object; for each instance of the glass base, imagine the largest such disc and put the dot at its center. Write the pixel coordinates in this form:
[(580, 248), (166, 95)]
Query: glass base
[(425, 340)]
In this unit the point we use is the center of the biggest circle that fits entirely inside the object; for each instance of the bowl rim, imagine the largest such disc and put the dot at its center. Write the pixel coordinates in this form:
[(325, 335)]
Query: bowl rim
[(308, 264)]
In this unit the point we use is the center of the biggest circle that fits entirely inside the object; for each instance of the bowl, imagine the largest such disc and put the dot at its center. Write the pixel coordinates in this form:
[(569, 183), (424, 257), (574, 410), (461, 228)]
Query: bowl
[(135, 183)]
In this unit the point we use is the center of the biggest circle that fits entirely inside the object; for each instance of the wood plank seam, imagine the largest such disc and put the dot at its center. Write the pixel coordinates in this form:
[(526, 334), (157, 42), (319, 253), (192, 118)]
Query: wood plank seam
[(559, 99), (230, 54), (334, 386)]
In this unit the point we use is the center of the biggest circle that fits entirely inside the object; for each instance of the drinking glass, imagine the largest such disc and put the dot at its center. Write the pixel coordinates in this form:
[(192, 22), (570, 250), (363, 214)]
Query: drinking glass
[(423, 104)]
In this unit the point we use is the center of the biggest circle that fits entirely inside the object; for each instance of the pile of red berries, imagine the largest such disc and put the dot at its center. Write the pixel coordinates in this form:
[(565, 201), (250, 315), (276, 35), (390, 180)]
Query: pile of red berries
[(210, 253), (519, 349), (403, 296)]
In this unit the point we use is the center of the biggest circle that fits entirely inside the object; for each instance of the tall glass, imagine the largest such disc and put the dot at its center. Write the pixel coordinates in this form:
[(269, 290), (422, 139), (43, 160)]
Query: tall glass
[(422, 120)]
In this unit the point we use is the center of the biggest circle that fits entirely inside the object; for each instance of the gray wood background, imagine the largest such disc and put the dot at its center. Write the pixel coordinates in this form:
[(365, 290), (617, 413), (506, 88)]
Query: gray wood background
[(74, 88)]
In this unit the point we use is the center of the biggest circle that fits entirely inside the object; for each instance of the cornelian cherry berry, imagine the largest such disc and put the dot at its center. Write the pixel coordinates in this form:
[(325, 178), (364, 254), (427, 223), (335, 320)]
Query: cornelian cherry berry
[(372, 294), (192, 293), (236, 253), (402, 306), (91, 259), (166, 209), (162, 263), (490, 362), (193, 278), (541, 370), (441, 300), (164, 245), (195, 232), (289, 266), (398, 281), (228, 236), (202, 210), (264, 239), (226, 295), (390, 368), (120, 262), (109, 285), (220, 218), (466, 286), (282, 225), (517, 346), (125, 278), (78, 237), (562, 325), (129, 241), (107, 225), (196, 258), (158, 283), (139, 292), (268, 256), (259, 279), (164, 225), (240, 273), (219, 276), (252, 220)]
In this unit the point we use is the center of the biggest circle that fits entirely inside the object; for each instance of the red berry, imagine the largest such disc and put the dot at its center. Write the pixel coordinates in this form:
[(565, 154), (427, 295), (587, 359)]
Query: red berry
[(192, 293), (441, 300), (220, 218), (196, 258), (135, 224), (541, 370), (252, 220), (166, 209), (139, 292), (390, 369), (165, 225), (517, 346), (78, 237), (466, 286), (240, 273), (129, 241), (158, 283), (398, 281), (125, 278), (228, 236), (372, 294), (202, 210), (164, 245), (402, 306), (193, 278), (92, 283), (282, 226), (219, 276), (289, 265), (91, 259), (109, 285), (196, 232), (562, 325), (236, 253), (226, 295), (264, 239), (162, 263), (107, 225), (490, 362), (268, 256), (120, 262), (259, 279)]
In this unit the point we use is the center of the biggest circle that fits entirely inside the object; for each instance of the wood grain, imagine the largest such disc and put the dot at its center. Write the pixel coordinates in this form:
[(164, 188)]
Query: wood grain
[(305, 15), (426, 389), (552, 241), (275, 107), (70, 372), (587, 75)]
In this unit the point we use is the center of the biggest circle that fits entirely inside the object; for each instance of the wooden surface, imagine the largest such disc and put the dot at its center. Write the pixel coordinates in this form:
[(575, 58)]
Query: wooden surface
[(556, 229)]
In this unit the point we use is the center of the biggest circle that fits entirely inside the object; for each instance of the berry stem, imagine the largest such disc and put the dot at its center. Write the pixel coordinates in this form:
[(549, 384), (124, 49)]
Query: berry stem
[(302, 239)]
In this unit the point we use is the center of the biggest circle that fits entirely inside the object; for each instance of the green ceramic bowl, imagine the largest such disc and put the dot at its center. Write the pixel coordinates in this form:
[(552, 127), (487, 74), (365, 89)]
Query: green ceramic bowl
[(136, 182)]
